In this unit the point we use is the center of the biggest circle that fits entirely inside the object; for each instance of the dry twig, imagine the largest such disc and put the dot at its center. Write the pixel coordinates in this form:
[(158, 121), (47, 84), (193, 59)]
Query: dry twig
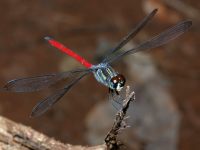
[(119, 124)]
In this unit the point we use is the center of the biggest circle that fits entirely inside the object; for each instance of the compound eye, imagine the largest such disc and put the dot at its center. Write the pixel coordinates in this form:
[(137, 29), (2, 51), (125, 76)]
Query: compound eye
[(118, 82), (121, 80), (115, 82)]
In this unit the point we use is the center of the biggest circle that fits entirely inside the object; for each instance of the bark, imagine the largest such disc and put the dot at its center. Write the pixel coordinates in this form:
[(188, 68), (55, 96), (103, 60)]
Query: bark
[(15, 136)]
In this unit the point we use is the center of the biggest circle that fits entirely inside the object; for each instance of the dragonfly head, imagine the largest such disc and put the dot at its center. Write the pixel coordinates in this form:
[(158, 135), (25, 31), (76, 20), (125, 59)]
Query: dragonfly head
[(118, 82)]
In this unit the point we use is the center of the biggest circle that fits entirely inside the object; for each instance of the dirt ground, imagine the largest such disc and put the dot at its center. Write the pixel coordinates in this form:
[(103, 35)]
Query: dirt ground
[(81, 25)]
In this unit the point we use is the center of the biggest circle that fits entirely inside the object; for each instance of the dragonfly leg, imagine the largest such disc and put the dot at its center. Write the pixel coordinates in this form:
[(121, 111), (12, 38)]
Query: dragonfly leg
[(116, 92), (111, 91)]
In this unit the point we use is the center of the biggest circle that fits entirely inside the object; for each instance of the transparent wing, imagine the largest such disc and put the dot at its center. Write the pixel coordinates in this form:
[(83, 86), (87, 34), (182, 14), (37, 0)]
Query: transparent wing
[(133, 33), (37, 83), (114, 99), (48, 102), (156, 41)]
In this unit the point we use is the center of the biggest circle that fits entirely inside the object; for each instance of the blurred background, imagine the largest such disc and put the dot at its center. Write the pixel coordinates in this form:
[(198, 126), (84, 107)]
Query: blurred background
[(166, 112)]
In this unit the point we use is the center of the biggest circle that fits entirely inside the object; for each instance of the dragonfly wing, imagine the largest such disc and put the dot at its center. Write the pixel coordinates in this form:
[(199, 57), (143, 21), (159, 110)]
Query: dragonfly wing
[(37, 83), (30, 84), (48, 102), (133, 33), (158, 40)]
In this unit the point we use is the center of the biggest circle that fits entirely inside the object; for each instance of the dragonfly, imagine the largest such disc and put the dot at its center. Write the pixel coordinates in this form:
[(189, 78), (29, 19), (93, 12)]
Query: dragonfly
[(103, 71)]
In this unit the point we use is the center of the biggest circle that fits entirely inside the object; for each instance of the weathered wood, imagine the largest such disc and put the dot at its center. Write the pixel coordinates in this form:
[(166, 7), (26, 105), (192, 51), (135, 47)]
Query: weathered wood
[(14, 136)]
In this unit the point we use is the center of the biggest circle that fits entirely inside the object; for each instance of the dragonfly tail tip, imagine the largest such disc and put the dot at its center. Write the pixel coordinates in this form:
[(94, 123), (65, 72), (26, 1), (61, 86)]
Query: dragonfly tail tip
[(48, 38)]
